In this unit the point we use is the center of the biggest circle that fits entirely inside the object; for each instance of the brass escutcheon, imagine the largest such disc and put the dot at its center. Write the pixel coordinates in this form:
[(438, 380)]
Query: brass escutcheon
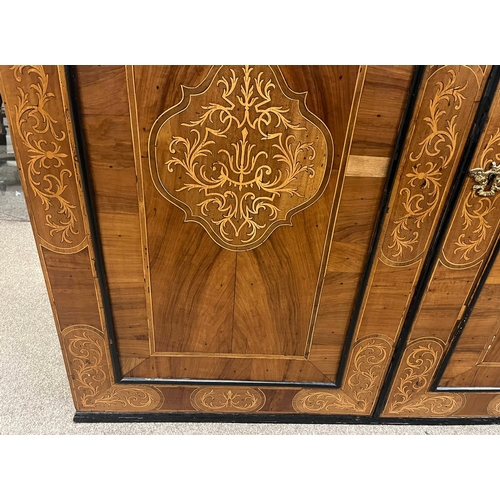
[(486, 178)]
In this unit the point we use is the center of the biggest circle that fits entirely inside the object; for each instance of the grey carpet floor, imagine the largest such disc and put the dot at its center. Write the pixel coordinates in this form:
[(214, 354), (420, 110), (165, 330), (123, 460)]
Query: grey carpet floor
[(34, 392)]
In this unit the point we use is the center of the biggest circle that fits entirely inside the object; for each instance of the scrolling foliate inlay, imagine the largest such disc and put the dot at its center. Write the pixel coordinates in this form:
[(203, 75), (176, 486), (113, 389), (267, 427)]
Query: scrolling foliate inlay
[(45, 158), (429, 158), (240, 154), (494, 407), (366, 365), (478, 215), (89, 374), (222, 400), (410, 395)]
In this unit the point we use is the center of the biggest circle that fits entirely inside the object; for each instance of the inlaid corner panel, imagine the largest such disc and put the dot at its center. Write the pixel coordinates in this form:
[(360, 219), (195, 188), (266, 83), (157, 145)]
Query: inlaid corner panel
[(259, 232)]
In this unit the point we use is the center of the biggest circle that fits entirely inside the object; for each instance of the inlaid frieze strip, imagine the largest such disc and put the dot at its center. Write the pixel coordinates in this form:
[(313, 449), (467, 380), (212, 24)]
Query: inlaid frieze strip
[(442, 119), (43, 153), (93, 389), (476, 221), (410, 395), (219, 399)]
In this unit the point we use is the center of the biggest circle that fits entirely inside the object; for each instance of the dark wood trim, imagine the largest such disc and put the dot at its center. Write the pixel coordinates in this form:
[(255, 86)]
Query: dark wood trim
[(82, 163), (246, 383), (261, 418), (458, 333)]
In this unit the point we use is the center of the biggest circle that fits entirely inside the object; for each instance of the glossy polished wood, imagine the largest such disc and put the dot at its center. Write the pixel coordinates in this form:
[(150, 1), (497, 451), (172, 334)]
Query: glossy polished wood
[(130, 345), (470, 237), (184, 306)]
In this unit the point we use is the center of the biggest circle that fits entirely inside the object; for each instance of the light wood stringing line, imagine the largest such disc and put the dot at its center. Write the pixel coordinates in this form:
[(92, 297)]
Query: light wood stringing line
[(351, 122)]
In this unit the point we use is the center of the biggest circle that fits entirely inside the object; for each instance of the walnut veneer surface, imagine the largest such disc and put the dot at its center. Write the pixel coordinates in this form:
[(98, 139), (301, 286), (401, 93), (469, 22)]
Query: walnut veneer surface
[(266, 240)]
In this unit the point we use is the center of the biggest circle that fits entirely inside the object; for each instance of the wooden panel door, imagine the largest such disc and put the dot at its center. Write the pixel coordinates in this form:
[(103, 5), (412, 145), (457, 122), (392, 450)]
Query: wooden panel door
[(219, 294)]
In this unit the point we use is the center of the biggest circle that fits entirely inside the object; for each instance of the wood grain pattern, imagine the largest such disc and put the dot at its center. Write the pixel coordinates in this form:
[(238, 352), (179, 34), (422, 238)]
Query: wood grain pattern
[(228, 368), (349, 251), (367, 166), (355, 219), (72, 288), (381, 107), (470, 237), (106, 124), (441, 121), (273, 331), (475, 362), (247, 316)]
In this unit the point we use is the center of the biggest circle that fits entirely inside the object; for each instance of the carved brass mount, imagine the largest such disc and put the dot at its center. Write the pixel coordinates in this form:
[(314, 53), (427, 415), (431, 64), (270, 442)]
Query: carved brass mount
[(486, 178)]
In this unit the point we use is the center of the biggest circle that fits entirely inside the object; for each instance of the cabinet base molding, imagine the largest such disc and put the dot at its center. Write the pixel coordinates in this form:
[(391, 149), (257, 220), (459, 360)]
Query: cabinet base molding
[(101, 417)]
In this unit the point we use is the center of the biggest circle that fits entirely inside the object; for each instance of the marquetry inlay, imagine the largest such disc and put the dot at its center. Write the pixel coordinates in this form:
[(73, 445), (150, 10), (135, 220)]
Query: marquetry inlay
[(222, 399), (240, 154)]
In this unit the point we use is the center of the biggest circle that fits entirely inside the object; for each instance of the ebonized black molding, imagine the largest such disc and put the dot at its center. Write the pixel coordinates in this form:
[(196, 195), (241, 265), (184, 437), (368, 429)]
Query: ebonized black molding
[(458, 333), (478, 125), (82, 161), (411, 100), (99, 417), (245, 383)]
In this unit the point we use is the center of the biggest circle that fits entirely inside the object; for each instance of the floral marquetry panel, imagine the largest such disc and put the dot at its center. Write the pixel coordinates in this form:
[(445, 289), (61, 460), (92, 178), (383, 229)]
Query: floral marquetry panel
[(224, 400), (431, 156), (240, 154), (410, 396), (39, 120), (91, 379)]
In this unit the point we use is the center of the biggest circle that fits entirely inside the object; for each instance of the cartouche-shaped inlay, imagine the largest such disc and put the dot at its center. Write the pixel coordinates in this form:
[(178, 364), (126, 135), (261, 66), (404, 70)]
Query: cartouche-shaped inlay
[(240, 154)]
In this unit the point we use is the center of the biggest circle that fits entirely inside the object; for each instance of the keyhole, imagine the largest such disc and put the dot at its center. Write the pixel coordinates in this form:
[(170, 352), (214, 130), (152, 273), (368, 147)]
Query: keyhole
[(491, 179)]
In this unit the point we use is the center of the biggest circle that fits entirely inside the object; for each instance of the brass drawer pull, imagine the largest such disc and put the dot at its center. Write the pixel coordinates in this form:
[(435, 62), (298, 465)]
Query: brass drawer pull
[(486, 178)]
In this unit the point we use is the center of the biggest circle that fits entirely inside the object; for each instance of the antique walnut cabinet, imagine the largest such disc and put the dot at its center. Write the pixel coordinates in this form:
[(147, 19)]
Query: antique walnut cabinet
[(264, 243)]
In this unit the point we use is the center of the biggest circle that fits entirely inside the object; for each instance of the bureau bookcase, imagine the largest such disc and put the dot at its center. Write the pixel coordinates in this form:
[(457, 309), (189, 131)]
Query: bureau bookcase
[(267, 243)]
